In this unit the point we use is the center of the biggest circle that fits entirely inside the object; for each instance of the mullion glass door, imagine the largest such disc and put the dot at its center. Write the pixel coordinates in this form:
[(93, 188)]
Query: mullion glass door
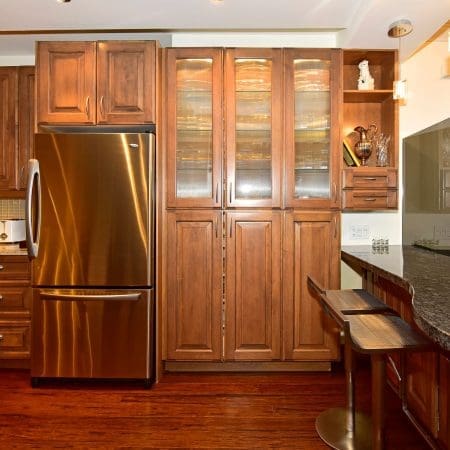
[(309, 135), (252, 139), (194, 142)]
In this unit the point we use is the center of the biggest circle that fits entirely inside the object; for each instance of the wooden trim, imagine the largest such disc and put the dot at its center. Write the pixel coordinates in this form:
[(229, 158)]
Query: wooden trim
[(304, 366)]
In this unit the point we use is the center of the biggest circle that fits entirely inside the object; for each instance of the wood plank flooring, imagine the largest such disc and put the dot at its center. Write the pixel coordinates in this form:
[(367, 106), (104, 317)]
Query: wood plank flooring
[(209, 411)]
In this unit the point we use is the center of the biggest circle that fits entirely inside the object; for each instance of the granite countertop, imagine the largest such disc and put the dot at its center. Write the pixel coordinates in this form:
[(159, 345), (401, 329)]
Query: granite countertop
[(423, 273)]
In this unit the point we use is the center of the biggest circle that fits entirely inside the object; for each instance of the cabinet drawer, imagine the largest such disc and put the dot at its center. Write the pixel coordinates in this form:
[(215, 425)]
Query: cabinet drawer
[(369, 200), (370, 178), (11, 269), (14, 340), (15, 301)]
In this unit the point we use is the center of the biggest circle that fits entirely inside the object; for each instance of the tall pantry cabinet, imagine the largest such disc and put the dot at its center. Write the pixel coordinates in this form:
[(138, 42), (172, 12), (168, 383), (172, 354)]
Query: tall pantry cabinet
[(230, 235)]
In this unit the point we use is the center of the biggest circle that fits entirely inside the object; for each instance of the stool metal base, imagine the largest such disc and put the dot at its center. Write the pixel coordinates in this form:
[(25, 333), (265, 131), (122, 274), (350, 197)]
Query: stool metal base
[(331, 427)]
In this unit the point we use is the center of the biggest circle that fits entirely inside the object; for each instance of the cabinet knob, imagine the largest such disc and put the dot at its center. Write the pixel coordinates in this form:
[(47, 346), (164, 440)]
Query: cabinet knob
[(3, 236), (1, 267), (1, 297), (1, 337)]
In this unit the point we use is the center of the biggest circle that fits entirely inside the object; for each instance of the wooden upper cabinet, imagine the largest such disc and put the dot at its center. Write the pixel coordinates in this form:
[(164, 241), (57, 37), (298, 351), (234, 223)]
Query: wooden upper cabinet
[(88, 82), (253, 121), (26, 114), (253, 286), (313, 146), (194, 130), (66, 82), (17, 128), (194, 285), (126, 82), (311, 247), (8, 157)]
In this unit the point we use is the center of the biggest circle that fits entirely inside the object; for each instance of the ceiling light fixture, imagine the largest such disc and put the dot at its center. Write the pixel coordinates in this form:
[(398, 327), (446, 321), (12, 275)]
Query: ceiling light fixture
[(398, 30)]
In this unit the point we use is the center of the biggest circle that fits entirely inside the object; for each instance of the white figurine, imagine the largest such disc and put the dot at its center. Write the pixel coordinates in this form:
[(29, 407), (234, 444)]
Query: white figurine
[(365, 80)]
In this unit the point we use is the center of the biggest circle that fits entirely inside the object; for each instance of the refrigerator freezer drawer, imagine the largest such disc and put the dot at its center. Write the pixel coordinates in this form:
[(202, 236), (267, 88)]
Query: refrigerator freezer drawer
[(93, 333)]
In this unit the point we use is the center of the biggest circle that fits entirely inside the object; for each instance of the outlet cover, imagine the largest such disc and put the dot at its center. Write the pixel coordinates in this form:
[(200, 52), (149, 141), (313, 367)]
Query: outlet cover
[(359, 232)]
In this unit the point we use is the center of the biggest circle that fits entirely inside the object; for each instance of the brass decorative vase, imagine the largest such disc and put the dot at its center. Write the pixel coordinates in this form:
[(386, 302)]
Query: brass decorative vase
[(363, 148)]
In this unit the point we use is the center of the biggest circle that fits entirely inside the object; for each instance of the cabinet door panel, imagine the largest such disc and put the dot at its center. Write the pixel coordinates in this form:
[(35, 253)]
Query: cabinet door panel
[(66, 82), (26, 123), (253, 117), (312, 137), (311, 248), (422, 388), (194, 127), (8, 157), (444, 401), (253, 299), (126, 82), (194, 293)]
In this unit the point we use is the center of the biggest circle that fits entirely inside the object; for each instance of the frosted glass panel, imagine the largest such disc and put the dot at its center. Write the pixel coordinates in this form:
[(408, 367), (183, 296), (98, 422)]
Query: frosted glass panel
[(312, 109), (194, 154), (253, 164), (253, 110), (312, 128), (312, 75), (253, 74), (194, 74), (194, 110), (312, 149), (194, 164)]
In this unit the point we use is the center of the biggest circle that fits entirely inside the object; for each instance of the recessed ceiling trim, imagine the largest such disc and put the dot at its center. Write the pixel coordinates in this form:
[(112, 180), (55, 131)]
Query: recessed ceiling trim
[(169, 30)]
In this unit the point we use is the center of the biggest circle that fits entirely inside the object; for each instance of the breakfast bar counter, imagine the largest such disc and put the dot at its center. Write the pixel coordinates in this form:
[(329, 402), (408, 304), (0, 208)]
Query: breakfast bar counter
[(415, 282), (422, 273)]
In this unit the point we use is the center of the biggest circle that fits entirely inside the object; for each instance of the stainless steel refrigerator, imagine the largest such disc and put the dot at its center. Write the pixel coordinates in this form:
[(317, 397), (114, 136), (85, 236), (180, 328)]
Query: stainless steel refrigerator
[(90, 232)]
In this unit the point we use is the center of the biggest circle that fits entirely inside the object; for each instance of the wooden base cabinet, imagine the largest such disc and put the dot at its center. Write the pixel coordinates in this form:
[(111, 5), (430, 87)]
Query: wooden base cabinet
[(444, 401), (15, 315), (253, 286), (311, 247), (194, 285)]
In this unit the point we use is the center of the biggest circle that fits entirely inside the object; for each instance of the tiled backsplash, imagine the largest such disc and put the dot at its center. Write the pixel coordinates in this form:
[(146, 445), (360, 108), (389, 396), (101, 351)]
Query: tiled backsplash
[(12, 209)]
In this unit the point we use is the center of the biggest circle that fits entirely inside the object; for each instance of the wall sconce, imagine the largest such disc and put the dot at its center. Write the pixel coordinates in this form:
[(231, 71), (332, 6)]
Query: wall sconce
[(398, 30)]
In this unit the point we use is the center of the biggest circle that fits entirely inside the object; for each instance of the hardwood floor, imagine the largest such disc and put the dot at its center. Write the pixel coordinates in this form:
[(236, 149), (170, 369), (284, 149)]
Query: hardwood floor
[(209, 411)]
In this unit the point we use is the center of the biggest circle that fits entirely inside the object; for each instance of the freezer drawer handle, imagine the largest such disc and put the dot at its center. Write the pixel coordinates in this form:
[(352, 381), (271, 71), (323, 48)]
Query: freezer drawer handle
[(34, 179), (55, 295)]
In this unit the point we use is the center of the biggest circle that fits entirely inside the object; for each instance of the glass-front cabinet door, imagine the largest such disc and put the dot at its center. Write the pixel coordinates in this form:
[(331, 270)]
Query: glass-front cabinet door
[(194, 127), (253, 117), (313, 148)]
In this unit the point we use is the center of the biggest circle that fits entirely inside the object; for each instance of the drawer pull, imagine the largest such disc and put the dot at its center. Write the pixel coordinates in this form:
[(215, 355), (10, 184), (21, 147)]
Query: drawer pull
[(1, 297), (1, 267), (370, 199), (370, 178), (1, 337)]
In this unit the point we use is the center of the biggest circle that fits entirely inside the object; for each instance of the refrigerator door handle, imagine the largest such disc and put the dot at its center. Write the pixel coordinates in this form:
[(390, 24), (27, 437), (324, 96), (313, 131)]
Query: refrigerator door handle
[(34, 179), (61, 295)]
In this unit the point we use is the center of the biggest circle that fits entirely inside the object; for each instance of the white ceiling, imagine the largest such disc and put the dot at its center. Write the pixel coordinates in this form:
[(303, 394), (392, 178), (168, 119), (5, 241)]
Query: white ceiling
[(353, 23)]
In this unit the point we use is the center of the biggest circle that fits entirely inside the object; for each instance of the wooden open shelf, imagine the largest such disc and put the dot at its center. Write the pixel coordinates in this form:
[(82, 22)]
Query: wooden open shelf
[(375, 96)]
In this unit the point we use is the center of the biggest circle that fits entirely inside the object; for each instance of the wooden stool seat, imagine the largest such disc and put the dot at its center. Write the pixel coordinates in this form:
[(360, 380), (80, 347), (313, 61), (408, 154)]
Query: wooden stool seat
[(383, 333), (370, 327), (354, 301)]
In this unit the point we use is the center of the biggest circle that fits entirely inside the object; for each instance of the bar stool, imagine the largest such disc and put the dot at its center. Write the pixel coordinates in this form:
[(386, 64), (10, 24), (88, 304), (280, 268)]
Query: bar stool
[(369, 327)]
